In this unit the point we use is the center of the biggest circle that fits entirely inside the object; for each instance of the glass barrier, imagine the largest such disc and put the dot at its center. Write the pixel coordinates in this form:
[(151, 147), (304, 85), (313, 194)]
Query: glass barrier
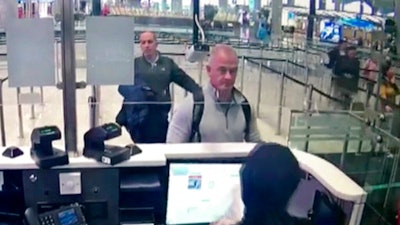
[(260, 83), (275, 78), (351, 141), (372, 217)]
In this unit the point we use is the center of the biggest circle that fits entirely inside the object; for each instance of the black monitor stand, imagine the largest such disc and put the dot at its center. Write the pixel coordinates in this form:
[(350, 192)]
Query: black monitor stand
[(42, 150), (96, 148)]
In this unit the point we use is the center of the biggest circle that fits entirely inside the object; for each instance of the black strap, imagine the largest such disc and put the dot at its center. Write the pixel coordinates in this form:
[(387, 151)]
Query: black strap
[(198, 109), (247, 115)]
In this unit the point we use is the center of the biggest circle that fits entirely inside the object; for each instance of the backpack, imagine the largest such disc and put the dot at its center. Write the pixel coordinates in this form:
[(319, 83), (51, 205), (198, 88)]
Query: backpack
[(198, 109)]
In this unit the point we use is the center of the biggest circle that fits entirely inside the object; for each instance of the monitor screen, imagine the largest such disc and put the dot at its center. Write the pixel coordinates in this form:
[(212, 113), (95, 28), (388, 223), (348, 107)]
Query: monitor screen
[(68, 217), (330, 31), (200, 192)]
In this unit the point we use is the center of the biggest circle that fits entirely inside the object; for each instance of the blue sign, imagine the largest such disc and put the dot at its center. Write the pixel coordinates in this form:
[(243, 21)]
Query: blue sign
[(252, 5), (291, 16), (194, 183)]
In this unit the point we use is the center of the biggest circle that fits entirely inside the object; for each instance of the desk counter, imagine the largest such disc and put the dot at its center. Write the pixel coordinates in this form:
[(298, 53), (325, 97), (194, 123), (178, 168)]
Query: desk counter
[(154, 155)]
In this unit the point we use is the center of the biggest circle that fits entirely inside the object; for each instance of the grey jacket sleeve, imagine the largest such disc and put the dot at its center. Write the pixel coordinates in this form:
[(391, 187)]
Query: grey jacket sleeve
[(180, 126), (254, 133)]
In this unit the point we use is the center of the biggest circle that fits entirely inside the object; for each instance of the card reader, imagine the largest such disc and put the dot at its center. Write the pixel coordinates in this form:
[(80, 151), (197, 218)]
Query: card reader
[(96, 148), (42, 150)]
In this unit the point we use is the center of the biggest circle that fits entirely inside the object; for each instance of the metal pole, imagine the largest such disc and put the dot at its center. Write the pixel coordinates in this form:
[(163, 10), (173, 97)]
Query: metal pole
[(308, 100), (2, 123), (344, 152), (32, 107), (307, 110), (392, 178), (306, 66), (20, 120), (172, 87), (94, 106), (378, 83), (91, 102), (311, 17), (41, 95), (69, 76), (201, 63), (281, 89), (242, 75), (95, 98), (259, 90), (29, 9), (196, 13), (397, 21)]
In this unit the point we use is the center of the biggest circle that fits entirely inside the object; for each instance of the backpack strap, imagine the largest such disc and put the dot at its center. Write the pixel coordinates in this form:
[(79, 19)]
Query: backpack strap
[(198, 108), (247, 115)]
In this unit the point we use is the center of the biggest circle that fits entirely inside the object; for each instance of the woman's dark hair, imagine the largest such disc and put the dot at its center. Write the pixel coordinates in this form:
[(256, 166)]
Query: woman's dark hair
[(269, 177)]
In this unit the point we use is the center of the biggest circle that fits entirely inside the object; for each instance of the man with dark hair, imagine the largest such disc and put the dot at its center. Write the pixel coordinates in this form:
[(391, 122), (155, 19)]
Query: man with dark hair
[(269, 177), (147, 103), (335, 53), (347, 72)]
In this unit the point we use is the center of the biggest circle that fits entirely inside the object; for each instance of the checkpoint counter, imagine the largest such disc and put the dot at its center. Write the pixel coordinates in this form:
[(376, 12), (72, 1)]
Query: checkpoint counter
[(136, 191)]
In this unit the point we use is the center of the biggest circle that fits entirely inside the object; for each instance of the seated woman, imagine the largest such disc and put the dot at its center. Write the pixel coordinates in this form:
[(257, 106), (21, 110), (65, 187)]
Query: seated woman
[(268, 178)]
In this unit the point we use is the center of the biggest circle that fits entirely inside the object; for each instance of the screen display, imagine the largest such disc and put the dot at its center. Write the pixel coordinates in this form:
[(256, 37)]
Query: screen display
[(330, 31), (68, 217), (47, 131), (200, 193)]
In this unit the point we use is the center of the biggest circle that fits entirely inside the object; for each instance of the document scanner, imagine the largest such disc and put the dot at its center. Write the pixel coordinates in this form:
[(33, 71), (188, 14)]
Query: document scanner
[(94, 146), (42, 150)]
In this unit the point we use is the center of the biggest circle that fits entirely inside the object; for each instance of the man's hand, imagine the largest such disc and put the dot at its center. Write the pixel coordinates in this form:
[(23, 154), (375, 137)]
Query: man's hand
[(224, 222)]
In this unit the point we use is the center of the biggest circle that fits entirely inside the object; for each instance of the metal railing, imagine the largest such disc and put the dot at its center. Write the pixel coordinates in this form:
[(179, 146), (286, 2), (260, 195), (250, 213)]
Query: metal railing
[(283, 73), (2, 122)]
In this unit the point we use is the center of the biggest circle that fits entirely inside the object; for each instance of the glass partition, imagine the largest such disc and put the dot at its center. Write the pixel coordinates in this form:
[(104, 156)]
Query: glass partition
[(354, 143)]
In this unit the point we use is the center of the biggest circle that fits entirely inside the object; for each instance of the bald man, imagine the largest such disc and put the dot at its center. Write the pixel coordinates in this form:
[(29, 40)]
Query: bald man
[(148, 123), (224, 118)]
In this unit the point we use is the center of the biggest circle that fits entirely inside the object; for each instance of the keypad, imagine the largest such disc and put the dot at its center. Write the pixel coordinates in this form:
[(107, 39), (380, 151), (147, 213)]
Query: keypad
[(47, 220)]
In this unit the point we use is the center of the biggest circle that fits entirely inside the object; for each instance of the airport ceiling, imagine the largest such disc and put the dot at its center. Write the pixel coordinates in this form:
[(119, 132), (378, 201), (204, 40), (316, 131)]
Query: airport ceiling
[(384, 5)]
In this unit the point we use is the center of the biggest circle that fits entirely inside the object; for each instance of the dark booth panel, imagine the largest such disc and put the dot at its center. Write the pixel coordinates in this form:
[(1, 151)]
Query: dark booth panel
[(99, 192)]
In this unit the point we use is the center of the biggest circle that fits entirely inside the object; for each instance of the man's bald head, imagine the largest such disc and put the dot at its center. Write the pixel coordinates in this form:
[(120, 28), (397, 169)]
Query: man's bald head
[(148, 34), (148, 44), (222, 67), (221, 50)]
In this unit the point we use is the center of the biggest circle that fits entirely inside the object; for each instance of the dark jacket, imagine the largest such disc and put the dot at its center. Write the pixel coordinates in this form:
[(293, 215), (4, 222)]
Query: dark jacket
[(148, 122), (348, 73), (160, 75), (333, 57), (269, 178), (134, 111)]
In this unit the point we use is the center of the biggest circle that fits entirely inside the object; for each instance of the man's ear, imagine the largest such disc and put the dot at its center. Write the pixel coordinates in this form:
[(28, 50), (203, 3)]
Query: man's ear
[(208, 68)]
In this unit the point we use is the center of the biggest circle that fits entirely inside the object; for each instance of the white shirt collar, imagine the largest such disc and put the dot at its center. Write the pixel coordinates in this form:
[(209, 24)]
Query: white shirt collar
[(153, 62)]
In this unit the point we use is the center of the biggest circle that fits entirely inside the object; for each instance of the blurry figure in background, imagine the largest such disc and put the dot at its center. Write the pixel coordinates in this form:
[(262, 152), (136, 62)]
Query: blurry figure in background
[(335, 53), (263, 33), (360, 42), (346, 70), (388, 91), (105, 11), (21, 11), (370, 72)]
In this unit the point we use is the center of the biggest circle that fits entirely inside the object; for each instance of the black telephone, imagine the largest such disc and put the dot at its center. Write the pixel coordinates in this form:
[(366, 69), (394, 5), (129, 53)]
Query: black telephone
[(67, 215)]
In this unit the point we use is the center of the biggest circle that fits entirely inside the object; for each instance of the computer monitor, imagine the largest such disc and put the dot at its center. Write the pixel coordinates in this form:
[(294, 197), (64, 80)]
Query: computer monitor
[(200, 193), (330, 31)]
